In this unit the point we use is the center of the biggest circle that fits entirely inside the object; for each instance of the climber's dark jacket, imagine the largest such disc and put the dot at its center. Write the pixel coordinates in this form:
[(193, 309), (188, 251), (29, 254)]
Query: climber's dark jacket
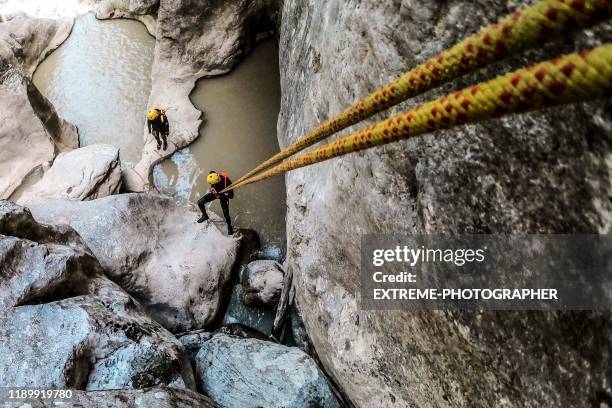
[(159, 125), (222, 184)]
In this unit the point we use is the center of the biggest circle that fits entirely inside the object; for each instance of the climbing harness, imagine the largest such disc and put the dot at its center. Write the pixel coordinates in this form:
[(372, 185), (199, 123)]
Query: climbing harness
[(226, 177), (571, 78), (521, 30)]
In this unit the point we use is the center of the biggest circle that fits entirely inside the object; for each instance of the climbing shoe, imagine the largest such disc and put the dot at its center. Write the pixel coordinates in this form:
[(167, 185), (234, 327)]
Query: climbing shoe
[(230, 230), (165, 145), (158, 146), (203, 218)]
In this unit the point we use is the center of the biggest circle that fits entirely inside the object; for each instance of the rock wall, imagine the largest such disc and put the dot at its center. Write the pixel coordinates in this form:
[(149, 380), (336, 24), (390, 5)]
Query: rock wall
[(31, 133), (545, 172)]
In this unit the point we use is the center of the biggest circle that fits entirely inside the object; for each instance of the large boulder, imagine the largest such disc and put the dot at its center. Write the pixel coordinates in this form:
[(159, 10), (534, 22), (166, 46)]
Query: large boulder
[(17, 221), (238, 372), (64, 324), (262, 283), (105, 341), (42, 262), (82, 174), (154, 249), (31, 133), (544, 172), (161, 397)]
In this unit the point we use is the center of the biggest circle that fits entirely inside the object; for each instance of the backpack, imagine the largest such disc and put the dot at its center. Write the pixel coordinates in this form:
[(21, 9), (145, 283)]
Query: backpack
[(226, 177)]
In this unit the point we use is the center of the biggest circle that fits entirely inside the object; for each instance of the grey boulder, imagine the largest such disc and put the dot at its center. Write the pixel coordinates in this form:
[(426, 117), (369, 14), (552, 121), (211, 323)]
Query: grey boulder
[(82, 174), (262, 283), (104, 341), (64, 324), (238, 372), (59, 263), (154, 249), (31, 133)]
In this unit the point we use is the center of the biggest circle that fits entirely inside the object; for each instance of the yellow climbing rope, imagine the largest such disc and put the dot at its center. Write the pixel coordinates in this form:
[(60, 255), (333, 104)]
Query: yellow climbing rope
[(520, 30), (571, 78)]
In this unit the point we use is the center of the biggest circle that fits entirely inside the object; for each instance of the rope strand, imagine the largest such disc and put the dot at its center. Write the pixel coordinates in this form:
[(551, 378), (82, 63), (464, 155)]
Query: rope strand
[(574, 77), (520, 30)]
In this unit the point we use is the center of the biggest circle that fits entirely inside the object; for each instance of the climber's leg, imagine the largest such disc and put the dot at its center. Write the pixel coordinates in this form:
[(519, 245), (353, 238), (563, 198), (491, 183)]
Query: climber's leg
[(207, 198), (226, 214), (165, 139), (156, 135)]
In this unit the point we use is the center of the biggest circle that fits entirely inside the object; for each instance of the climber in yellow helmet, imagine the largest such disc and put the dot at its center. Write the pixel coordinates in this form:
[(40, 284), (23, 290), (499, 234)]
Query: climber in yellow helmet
[(218, 182), (158, 125)]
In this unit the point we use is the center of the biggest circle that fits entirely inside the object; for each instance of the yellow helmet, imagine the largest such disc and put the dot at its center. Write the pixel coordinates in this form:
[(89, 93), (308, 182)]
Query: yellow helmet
[(153, 114), (213, 178)]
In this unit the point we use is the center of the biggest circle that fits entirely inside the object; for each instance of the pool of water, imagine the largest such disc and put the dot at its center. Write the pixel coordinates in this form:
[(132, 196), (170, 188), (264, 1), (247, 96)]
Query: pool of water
[(239, 132), (100, 80)]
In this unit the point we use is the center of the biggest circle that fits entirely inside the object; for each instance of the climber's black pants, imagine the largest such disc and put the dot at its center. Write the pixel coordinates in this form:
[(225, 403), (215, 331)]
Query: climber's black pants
[(208, 197), (160, 136)]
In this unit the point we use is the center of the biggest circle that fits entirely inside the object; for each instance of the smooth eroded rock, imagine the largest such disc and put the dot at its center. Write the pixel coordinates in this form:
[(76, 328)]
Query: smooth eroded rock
[(25, 40), (262, 283), (154, 249), (542, 172), (238, 372), (86, 173), (142, 10), (31, 133)]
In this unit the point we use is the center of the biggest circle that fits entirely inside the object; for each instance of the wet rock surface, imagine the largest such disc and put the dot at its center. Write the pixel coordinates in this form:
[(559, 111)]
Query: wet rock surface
[(82, 174), (65, 325), (248, 372), (161, 397), (535, 173), (262, 282), (154, 249)]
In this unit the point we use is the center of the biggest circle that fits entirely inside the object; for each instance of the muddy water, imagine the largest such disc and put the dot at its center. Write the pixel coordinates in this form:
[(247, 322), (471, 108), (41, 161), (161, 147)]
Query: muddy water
[(241, 110), (100, 80)]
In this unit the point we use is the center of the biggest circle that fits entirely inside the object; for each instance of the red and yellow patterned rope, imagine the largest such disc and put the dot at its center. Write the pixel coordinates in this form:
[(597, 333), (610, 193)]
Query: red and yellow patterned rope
[(520, 30), (571, 78)]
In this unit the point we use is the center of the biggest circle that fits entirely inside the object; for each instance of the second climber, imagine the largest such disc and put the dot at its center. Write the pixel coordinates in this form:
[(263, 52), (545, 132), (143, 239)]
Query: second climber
[(218, 182), (159, 127)]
